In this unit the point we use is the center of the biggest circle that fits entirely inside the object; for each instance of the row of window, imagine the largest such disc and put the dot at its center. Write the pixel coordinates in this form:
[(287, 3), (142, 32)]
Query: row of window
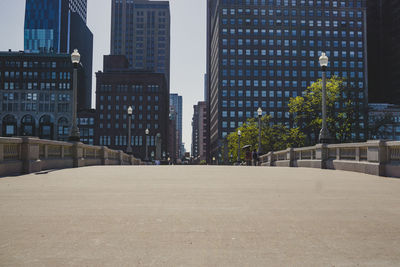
[(124, 107), (287, 63), (28, 96), (294, 3), (279, 83), (35, 75), (264, 104), (124, 126), (293, 33), (130, 88), (273, 94), (140, 98), (41, 107), (293, 43), (289, 53), (35, 64), (121, 140), (35, 86), (85, 121), (287, 73), (293, 23), (134, 116)]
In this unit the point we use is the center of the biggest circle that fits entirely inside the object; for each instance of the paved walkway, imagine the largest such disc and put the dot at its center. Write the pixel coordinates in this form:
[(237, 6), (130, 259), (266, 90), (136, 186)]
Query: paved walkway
[(199, 216)]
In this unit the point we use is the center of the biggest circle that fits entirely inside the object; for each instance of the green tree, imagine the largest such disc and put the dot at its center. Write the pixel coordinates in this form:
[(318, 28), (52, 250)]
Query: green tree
[(273, 137), (342, 110)]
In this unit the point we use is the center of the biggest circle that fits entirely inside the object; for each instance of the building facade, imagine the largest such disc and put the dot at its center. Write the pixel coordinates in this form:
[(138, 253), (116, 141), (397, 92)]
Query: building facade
[(140, 30), (87, 124), (60, 27), (176, 101), (199, 132), (384, 51), (172, 136), (119, 87), (36, 94), (261, 53), (384, 120)]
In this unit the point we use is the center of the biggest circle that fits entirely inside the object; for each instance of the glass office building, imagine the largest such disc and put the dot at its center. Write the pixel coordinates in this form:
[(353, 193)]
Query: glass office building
[(47, 24), (260, 53), (59, 26), (175, 100), (140, 30)]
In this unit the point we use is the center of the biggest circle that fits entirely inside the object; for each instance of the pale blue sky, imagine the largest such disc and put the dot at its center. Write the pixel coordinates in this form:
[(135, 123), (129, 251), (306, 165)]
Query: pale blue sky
[(188, 45)]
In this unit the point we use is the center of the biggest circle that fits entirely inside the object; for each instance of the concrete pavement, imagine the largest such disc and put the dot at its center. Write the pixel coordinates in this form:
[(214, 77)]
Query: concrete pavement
[(199, 216)]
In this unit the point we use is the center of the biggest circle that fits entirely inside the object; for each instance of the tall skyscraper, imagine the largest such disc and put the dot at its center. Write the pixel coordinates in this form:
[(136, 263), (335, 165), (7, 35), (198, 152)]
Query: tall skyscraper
[(384, 51), (262, 52), (60, 27), (140, 30), (176, 101), (199, 131)]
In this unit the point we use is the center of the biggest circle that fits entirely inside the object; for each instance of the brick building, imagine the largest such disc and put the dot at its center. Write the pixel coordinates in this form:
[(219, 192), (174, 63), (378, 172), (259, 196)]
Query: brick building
[(119, 87)]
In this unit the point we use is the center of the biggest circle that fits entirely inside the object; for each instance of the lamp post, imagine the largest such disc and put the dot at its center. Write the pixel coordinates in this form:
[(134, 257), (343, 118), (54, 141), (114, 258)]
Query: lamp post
[(238, 156), (129, 148), (147, 148), (324, 134), (259, 111), (75, 58)]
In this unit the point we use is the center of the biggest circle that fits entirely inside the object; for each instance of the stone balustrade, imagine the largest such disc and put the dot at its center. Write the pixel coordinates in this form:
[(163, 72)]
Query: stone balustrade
[(29, 154), (373, 157)]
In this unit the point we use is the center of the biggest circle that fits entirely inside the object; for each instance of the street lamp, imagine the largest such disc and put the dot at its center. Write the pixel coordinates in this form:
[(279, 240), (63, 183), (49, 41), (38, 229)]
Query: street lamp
[(324, 134), (75, 58), (147, 149), (238, 156), (129, 148), (259, 111)]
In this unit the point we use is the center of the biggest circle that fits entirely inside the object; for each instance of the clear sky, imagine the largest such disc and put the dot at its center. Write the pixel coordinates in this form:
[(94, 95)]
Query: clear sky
[(188, 45)]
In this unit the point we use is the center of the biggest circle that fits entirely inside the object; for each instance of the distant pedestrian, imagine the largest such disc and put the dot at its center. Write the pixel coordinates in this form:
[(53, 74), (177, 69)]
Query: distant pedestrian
[(255, 158), (248, 157)]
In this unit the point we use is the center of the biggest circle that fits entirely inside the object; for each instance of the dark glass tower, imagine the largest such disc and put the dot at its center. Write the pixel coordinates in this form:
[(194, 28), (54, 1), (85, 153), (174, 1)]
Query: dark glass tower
[(384, 51), (59, 26), (260, 53), (140, 30)]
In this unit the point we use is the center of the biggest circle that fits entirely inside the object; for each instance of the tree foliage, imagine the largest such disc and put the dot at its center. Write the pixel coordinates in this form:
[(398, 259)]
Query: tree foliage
[(342, 111), (273, 137)]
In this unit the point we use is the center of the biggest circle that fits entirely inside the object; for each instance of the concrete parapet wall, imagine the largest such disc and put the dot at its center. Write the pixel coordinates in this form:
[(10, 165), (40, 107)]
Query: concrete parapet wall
[(11, 168), (308, 164), (373, 157), (50, 164), (29, 154)]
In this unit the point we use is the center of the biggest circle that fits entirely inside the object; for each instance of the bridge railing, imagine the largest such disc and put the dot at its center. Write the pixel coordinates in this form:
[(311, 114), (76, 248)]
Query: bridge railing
[(373, 157), (29, 154)]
